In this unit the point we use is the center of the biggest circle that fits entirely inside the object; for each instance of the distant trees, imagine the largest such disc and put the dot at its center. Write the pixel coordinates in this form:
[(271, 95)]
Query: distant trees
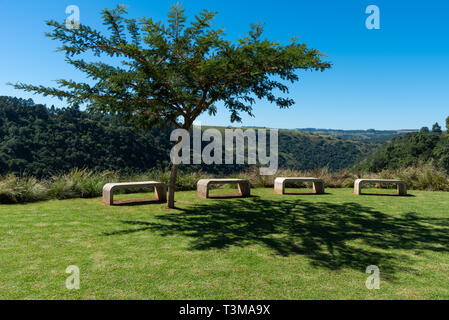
[(424, 130), (436, 128), (410, 150), (447, 125), (43, 141)]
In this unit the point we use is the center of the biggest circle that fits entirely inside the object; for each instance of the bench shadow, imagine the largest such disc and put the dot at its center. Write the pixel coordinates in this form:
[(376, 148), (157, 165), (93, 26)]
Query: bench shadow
[(306, 193), (229, 196), (329, 235), (386, 194), (136, 202)]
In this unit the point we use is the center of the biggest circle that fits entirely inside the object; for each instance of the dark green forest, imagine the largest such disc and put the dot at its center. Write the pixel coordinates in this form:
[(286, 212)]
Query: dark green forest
[(426, 146), (366, 135), (41, 141)]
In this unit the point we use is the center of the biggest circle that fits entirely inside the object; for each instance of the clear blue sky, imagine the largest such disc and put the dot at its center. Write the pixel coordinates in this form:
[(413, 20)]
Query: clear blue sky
[(392, 78)]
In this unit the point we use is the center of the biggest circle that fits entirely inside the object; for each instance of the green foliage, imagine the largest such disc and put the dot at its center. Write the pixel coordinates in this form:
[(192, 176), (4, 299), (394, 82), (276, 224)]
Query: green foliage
[(425, 177), (441, 152), (410, 150), (44, 142), (299, 151), (424, 130), (436, 128), (79, 184), (15, 189), (41, 142), (175, 71), (370, 135), (447, 125)]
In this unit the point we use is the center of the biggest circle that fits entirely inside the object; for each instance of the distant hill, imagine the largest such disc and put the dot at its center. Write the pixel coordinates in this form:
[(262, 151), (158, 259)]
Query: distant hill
[(299, 150), (41, 141), (364, 135), (304, 151)]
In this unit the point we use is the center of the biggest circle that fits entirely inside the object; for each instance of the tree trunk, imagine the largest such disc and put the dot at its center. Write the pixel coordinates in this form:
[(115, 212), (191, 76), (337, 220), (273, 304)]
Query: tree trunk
[(173, 175), (172, 187)]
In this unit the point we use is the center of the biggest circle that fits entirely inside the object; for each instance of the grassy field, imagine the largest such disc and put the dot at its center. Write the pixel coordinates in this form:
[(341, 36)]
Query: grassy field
[(264, 247)]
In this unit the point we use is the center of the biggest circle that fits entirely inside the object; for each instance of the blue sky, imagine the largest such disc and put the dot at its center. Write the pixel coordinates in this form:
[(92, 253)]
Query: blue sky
[(392, 78)]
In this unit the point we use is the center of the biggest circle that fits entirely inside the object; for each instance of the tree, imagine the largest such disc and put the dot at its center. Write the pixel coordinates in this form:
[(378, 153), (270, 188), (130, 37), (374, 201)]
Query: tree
[(173, 73), (424, 130), (436, 128)]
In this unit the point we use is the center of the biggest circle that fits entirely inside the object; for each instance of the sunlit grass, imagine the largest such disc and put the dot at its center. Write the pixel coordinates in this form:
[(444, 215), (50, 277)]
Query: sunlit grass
[(267, 246)]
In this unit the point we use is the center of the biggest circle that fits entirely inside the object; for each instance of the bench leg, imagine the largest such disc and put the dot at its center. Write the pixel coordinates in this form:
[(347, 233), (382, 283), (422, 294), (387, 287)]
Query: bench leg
[(202, 191), (160, 193), (402, 189), (279, 187), (244, 189), (357, 188), (108, 197), (318, 187)]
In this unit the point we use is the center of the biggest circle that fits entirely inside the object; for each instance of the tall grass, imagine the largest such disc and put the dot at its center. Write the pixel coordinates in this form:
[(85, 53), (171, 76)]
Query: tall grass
[(79, 183), (15, 189), (83, 183), (339, 179)]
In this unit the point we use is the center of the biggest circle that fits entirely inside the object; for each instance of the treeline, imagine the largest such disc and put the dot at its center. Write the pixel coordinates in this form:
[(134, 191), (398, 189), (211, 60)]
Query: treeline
[(40, 141), (365, 135), (424, 147)]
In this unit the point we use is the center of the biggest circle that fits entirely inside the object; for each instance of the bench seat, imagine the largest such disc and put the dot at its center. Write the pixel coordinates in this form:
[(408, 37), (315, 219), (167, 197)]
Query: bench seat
[(109, 188), (401, 185), (279, 183), (203, 186)]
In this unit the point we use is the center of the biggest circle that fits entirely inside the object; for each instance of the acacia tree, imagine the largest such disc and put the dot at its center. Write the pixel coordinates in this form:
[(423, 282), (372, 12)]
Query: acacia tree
[(175, 72)]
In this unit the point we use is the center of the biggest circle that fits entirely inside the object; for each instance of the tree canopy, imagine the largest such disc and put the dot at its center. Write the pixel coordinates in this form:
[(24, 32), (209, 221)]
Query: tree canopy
[(436, 128), (174, 71)]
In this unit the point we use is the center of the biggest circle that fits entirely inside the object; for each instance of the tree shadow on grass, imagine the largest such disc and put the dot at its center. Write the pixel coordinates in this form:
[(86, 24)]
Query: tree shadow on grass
[(333, 236), (386, 194)]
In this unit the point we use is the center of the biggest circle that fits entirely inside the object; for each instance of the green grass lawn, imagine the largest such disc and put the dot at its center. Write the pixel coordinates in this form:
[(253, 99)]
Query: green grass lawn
[(264, 247)]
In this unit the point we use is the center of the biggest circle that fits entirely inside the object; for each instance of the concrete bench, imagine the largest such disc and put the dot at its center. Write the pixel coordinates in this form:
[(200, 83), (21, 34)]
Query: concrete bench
[(401, 185), (279, 183), (203, 185), (109, 188)]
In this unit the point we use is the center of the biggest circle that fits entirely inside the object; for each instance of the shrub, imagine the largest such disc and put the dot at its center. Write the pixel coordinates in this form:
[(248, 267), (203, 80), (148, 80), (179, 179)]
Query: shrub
[(14, 189), (80, 183)]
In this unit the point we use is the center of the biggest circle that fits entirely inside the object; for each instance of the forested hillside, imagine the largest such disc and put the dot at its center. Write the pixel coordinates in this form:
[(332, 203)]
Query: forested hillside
[(42, 141), (365, 135), (302, 151), (411, 150)]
